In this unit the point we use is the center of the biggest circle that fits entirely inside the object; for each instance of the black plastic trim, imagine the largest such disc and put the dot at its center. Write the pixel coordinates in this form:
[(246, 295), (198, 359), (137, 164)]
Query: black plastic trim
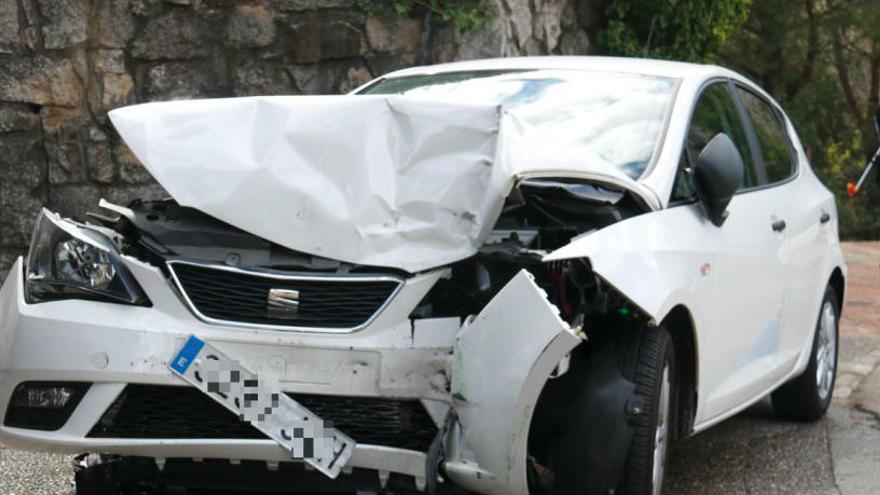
[(33, 418)]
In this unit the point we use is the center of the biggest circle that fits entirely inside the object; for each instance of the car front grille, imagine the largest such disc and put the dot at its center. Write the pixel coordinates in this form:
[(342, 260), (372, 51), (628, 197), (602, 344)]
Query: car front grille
[(164, 412), (334, 303)]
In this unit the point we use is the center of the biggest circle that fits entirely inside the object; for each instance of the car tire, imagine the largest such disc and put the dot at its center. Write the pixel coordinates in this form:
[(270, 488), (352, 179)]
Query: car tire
[(649, 361), (807, 397)]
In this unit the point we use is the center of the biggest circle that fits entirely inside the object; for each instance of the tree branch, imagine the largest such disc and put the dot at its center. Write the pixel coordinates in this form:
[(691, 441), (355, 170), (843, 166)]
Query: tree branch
[(843, 76), (874, 92), (812, 53), (744, 66)]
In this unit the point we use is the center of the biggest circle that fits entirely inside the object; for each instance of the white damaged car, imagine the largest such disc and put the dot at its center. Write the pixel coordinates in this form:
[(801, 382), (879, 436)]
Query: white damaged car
[(505, 277)]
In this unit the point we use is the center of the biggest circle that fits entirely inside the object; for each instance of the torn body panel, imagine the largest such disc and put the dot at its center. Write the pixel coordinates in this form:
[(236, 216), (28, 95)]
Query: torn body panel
[(648, 260), (502, 359), (419, 187)]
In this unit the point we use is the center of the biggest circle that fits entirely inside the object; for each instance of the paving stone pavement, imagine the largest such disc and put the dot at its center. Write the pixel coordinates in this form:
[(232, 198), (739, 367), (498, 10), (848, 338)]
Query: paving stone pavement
[(753, 453)]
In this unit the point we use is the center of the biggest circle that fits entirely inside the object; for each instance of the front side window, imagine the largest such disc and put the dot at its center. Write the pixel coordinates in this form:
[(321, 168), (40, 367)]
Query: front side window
[(716, 112), (615, 117), (772, 138)]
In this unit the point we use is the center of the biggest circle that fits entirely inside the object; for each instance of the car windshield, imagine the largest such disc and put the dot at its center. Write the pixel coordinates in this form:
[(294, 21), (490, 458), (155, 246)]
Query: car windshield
[(618, 117)]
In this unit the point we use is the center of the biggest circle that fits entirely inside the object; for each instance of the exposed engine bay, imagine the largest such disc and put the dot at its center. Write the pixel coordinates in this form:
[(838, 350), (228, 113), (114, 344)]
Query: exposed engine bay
[(539, 216)]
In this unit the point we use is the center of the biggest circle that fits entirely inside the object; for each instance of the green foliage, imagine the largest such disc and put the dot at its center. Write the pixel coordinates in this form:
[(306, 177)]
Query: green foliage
[(820, 59), (689, 30), (465, 15), (817, 59)]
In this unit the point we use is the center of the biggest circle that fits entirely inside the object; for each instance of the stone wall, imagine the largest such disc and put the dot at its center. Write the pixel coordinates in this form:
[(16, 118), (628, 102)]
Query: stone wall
[(65, 63)]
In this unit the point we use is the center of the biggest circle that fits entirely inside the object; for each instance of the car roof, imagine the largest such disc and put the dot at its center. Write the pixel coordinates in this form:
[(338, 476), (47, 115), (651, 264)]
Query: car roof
[(662, 68)]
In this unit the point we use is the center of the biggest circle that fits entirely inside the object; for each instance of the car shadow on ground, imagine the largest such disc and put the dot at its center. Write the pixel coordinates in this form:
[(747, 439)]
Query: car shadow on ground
[(756, 451)]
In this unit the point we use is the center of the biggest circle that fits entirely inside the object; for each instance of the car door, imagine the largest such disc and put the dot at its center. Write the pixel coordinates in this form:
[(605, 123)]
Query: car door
[(748, 270), (808, 214)]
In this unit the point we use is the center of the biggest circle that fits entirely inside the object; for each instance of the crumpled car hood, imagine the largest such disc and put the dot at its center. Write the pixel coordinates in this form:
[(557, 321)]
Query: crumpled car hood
[(392, 181)]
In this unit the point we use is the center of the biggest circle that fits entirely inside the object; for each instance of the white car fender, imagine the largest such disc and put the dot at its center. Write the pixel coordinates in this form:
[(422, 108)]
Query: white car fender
[(649, 261), (835, 261), (501, 360)]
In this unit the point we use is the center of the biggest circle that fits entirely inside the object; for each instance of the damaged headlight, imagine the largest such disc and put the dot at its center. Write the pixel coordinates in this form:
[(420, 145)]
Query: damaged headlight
[(69, 260)]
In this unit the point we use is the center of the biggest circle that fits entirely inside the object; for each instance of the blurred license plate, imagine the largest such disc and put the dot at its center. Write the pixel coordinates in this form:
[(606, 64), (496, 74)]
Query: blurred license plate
[(279, 417)]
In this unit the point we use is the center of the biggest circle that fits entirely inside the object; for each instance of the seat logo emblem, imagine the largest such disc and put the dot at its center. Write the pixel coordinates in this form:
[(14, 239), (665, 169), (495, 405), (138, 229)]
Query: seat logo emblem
[(283, 303)]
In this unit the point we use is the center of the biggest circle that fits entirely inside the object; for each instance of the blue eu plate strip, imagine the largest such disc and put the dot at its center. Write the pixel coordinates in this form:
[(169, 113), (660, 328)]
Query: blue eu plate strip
[(186, 355)]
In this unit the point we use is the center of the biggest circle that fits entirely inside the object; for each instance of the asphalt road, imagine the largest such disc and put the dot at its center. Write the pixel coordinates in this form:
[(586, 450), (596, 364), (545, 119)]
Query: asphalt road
[(752, 453)]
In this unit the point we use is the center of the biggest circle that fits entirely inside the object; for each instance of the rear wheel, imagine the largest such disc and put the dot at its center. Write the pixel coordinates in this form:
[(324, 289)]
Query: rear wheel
[(806, 397)]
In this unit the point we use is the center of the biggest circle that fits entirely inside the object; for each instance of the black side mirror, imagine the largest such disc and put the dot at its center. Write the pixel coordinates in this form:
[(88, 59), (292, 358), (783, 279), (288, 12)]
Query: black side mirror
[(717, 175)]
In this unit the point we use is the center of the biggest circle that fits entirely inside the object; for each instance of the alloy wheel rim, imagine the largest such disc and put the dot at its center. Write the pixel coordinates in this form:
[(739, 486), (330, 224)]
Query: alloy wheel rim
[(661, 434), (826, 352)]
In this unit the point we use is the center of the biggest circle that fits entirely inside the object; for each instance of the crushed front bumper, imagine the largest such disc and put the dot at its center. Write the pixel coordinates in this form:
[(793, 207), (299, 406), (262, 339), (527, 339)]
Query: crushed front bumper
[(480, 370)]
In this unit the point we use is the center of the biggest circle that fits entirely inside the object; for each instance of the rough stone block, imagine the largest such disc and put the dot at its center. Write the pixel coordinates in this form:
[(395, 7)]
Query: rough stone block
[(9, 37), (40, 80), (74, 201), (326, 35), (493, 40), (131, 171), (65, 24), (64, 131), (574, 42), (99, 159), (393, 33), (127, 194), (19, 210), (329, 77), (301, 5), (383, 63), (250, 26), (293, 5), (253, 78), (314, 79), (174, 35), (16, 117), (21, 159), (109, 61), (334, 4), (117, 91), (113, 24), (442, 47), (178, 80), (520, 20), (146, 8), (355, 76)]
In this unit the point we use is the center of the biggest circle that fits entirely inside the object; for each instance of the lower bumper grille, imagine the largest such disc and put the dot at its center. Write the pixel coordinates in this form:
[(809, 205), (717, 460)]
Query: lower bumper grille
[(161, 412)]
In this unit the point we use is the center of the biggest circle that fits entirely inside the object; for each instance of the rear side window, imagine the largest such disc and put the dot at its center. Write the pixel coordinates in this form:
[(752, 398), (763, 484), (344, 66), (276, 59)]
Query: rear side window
[(772, 138), (716, 112)]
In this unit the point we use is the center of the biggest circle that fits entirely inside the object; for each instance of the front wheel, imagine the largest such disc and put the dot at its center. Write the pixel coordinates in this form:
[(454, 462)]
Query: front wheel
[(605, 426), (654, 376), (807, 397)]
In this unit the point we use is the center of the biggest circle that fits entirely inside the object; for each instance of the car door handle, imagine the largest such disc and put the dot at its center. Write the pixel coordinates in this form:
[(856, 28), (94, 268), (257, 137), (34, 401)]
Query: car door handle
[(825, 217), (778, 225)]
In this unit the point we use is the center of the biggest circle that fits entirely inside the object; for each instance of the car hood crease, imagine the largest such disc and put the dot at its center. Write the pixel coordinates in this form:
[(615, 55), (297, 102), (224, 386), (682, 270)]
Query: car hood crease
[(388, 181)]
